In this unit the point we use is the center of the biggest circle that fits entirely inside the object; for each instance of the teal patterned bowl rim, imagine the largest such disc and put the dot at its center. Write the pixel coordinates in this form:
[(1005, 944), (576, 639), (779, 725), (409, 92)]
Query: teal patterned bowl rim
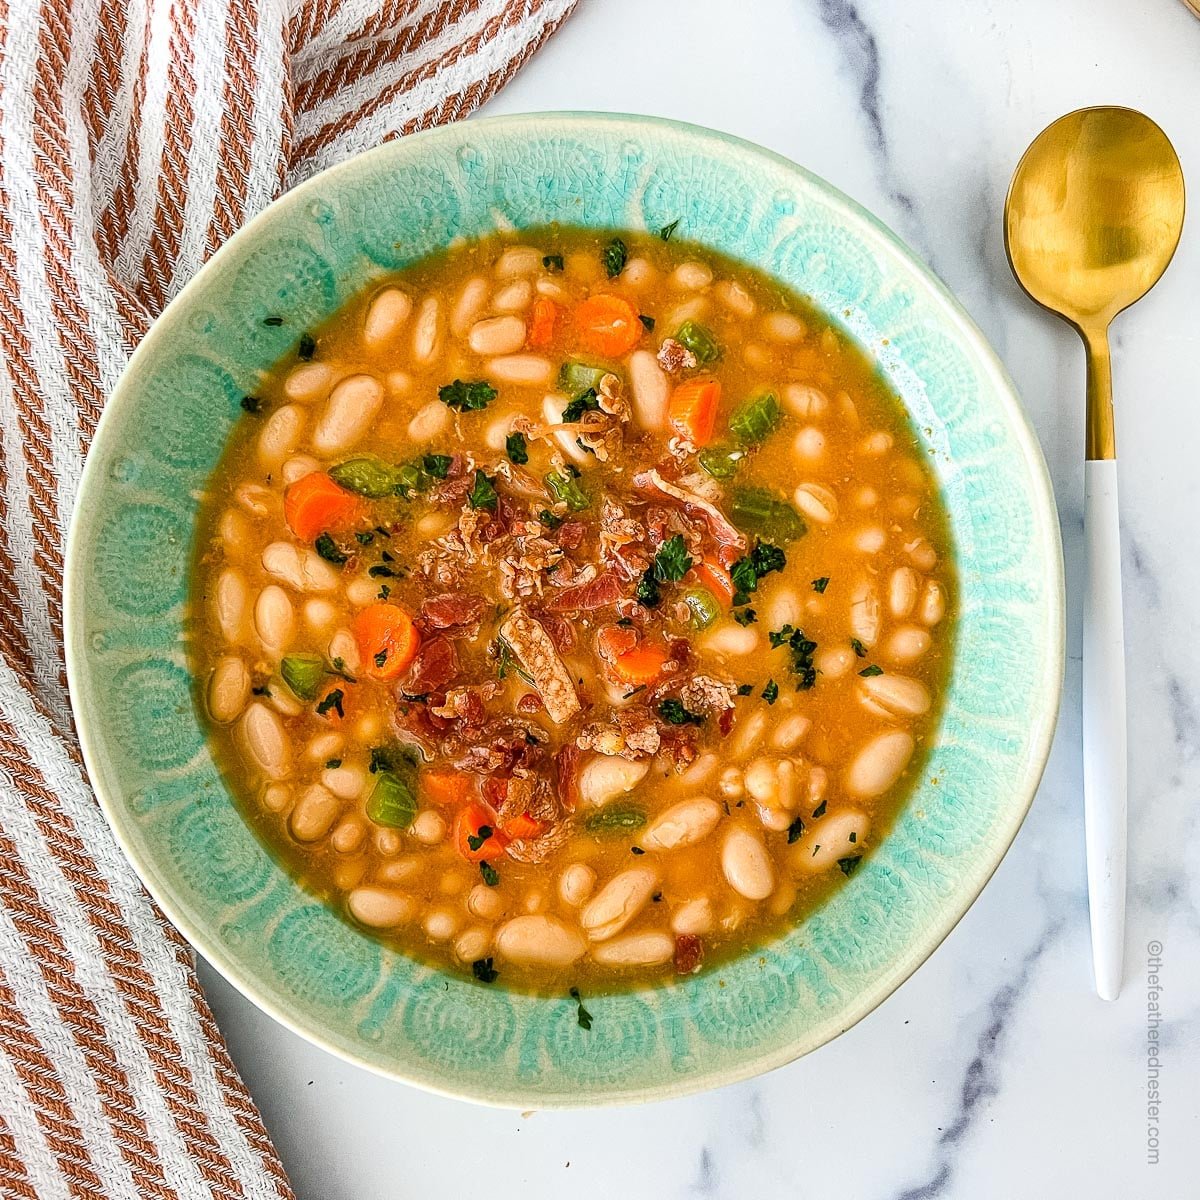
[(127, 613)]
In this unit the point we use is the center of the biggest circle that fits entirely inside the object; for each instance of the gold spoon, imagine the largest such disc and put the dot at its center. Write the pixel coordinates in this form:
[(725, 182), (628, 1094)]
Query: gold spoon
[(1092, 218)]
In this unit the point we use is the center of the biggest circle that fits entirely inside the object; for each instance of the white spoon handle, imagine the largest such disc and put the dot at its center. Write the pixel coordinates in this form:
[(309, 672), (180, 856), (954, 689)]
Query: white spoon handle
[(1104, 763)]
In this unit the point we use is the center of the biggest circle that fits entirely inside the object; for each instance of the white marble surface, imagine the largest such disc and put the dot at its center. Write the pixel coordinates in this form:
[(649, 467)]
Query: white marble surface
[(994, 1072)]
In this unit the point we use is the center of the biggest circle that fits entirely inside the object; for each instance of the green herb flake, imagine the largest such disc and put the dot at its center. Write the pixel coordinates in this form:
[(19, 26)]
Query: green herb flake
[(771, 692), (647, 322), (384, 592), (332, 764), (819, 585), (795, 831), (548, 519), (552, 262), (252, 404), (744, 689), (484, 971), (849, 865), (381, 571), (307, 347), (674, 713), (483, 494), (819, 811), (666, 231), (437, 466), (364, 539), (871, 671), (489, 873), (327, 548), (614, 256), (381, 659), (381, 759), (332, 701), (672, 561), (516, 449), (802, 649), (465, 396), (581, 1014), (745, 616), (636, 850), (858, 647), (476, 840), (586, 401)]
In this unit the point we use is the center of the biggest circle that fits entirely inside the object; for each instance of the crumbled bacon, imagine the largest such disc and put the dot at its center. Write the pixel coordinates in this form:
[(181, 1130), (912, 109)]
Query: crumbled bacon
[(719, 526), (566, 765), (535, 650), (630, 733), (599, 592), (434, 667), (453, 610), (466, 704), (570, 534), (705, 695), (529, 704), (674, 357), (689, 954)]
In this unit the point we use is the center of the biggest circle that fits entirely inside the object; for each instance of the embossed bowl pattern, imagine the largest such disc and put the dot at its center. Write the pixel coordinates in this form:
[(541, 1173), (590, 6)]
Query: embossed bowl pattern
[(127, 613)]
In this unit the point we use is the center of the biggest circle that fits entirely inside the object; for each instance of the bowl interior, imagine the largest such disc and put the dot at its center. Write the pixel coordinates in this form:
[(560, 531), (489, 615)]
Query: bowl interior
[(127, 599)]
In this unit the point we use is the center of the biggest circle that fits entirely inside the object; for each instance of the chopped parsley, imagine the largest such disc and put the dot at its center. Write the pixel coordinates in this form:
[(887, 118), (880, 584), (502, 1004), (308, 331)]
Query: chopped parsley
[(868, 672), (307, 347), (673, 712), (585, 402), (745, 616), (636, 850), (552, 262), (771, 692), (647, 591), (332, 764), (795, 831), (859, 648), (744, 689), (849, 865), (332, 700), (483, 494), (614, 256), (261, 690), (666, 231), (338, 667), (671, 563), (746, 572), (490, 875), (467, 396), (484, 971), (273, 321), (384, 592), (364, 538), (381, 760), (381, 658), (327, 548), (647, 322), (802, 649), (437, 466), (819, 585), (548, 519), (381, 571), (476, 840), (517, 450), (819, 811), (252, 404), (581, 1014)]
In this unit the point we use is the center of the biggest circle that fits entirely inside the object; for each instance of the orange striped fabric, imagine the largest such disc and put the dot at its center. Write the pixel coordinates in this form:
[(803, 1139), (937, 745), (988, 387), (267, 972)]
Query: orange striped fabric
[(114, 1080)]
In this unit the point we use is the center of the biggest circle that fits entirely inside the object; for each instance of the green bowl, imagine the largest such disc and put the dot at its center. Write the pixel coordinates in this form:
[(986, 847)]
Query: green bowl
[(127, 610)]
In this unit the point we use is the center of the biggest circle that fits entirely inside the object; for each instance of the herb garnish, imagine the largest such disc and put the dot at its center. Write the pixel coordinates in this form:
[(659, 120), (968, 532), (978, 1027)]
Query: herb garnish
[(581, 1014), (484, 971), (552, 262), (467, 396), (795, 831), (744, 689), (819, 585), (671, 563), (476, 840), (516, 448), (745, 616), (801, 649), (819, 811), (584, 402), (381, 760), (483, 494), (332, 764), (614, 257), (337, 667), (381, 658), (490, 875), (548, 519), (771, 692), (868, 672), (647, 322), (849, 865), (674, 713), (332, 700), (327, 548), (859, 648), (666, 231), (381, 571), (307, 347), (746, 572), (437, 465), (364, 538), (252, 404), (636, 850)]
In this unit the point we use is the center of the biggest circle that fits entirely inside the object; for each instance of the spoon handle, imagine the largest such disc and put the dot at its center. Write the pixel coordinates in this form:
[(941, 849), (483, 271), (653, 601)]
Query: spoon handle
[(1104, 754)]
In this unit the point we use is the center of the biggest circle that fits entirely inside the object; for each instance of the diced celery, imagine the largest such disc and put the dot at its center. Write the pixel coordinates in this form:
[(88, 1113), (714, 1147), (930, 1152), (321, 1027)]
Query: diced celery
[(699, 341), (393, 801), (303, 673), (760, 511), (615, 819), (575, 378), (567, 490), (703, 608), (721, 462), (755, 420), (367, 477)]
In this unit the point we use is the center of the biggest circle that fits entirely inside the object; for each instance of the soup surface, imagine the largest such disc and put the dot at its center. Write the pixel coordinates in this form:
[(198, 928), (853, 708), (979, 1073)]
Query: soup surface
[(572, 610)]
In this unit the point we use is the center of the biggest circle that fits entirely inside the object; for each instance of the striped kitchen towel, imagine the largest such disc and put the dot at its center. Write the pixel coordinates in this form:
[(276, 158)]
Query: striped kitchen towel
[(135, 137)]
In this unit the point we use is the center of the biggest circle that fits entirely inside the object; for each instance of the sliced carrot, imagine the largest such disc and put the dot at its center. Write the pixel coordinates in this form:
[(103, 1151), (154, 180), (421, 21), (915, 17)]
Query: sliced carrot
[(607, 325), (523, 826), (470, 824), (714, 577), (693, 409), (542, 323), (387, 639), (314, 504), (638, 666), (447, 789), (614, 640)]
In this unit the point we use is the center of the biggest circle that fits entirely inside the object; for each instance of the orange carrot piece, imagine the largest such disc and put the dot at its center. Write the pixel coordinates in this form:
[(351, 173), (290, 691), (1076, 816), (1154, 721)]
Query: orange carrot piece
[(387, 639), (542, 323), (614, 640), (607, 325), (638, 666), (448, 789), (314, 504), (523, 826), (692, 410), (714, 577), (470, 823)]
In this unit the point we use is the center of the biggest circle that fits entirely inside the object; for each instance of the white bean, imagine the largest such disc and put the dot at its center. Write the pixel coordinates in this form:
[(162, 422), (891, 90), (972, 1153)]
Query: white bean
[(324, 746), (344, 645), (876, 444), (515, 298), (539, 940), (440, 925), (346, 782), (783, 327), (381, 908), (497, 335), (651, 390), (618, 902), (296, 467), (385, 317), (895, 695), (902, 591), (727, 637), (307, 382), (817, 503), (276, 797), (746, 734), (526, 370), (833, 662), (809, 403), (865, 616), (228, 689), (319, 614), (691, 276), (922, 554), (576, 883), (518, 260), (430, 421), (265, 742), (746, 864), (683, 824), (235, 533), (429, 828), (735, 298), (427, 332), (604, 778), (349, 412), (839, 835), (809, 443), (700, 770), (472, 944), (468, 306), (348, 835), (879, 763), (280, 436), (933, 603), (231, 599), (298, 567), (648, 949), (693, 917), (485, 902), (790, 732), (907, 644), (314, 814), (256, 499), (784, 608), (638, 273), (870, 539), (274, 618)]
